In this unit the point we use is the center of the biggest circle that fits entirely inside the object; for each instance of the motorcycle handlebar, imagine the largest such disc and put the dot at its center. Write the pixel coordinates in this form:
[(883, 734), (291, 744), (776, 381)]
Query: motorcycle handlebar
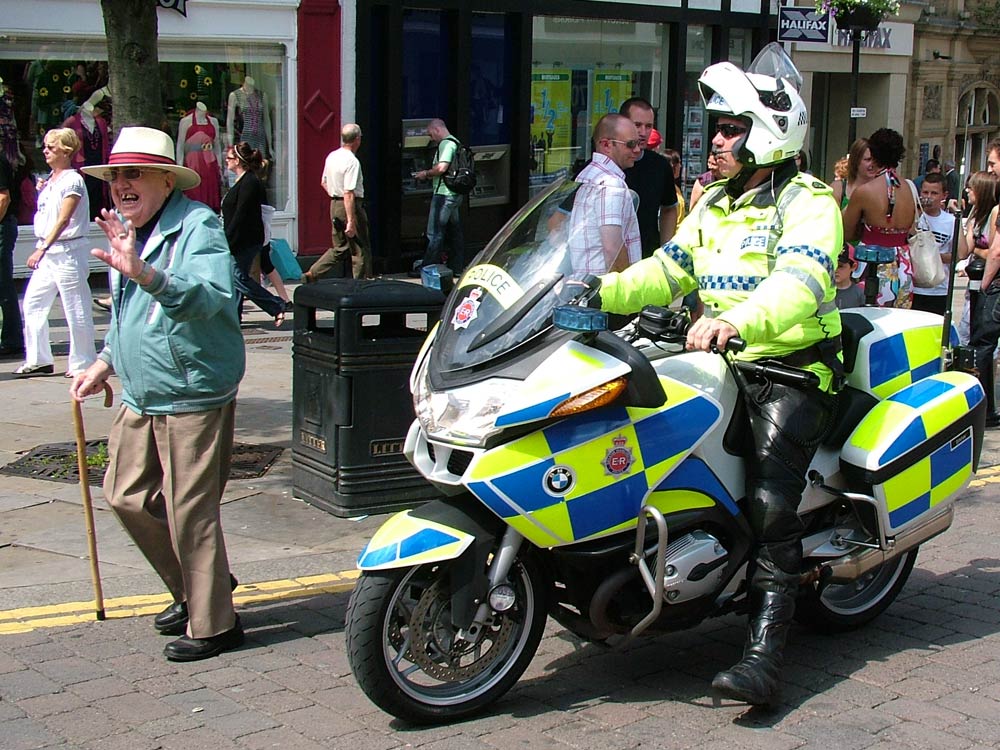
[(778, 373)]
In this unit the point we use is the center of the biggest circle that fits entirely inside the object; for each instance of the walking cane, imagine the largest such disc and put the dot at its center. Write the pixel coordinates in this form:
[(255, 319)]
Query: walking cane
[(88, 510)]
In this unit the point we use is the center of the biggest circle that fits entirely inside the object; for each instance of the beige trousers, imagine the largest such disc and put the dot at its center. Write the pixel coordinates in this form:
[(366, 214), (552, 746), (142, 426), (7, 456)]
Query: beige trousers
[(165, 484)]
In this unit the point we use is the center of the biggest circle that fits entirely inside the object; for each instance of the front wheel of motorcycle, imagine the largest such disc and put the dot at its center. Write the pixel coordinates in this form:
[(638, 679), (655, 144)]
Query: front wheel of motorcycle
[(845, 606), (413, 663)]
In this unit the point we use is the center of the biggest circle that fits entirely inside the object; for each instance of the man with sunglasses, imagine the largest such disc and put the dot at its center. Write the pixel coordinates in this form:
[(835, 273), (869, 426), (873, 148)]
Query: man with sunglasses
[(761, 246), (176, 346), (604, 230)]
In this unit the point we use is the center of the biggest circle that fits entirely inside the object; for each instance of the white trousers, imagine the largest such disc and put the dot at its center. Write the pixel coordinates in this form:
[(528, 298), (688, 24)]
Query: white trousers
[(64, 273)]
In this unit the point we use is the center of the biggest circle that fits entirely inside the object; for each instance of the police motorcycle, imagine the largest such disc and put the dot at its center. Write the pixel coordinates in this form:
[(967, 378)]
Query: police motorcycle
[(599, 478)]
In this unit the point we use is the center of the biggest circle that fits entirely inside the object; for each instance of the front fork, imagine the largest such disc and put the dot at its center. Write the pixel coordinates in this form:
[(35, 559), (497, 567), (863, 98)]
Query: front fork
[(499, 570)]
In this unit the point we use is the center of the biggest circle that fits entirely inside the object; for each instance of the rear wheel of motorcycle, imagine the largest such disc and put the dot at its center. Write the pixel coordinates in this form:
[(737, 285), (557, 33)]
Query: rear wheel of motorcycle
[(408, 657), (839, 607)]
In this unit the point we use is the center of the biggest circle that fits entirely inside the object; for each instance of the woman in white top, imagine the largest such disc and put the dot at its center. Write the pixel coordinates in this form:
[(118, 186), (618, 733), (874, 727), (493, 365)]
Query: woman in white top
[(59, 263)]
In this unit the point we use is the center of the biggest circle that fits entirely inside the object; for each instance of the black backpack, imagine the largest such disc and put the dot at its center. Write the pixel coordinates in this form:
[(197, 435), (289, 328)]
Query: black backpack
[(461, 175)]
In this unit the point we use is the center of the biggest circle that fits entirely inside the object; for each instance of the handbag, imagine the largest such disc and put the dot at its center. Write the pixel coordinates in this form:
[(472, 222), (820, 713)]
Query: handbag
[(925, 260)]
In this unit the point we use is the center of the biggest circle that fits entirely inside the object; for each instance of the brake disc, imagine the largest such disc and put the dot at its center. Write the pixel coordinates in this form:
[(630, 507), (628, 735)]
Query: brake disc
[(436, 647)]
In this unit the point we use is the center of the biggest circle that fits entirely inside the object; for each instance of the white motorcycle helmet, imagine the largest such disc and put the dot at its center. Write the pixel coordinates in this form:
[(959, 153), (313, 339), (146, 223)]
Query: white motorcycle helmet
[(766, 97)]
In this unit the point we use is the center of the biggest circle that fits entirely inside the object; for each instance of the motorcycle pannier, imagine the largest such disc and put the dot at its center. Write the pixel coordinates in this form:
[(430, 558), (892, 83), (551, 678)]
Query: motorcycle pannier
[(915, 449)]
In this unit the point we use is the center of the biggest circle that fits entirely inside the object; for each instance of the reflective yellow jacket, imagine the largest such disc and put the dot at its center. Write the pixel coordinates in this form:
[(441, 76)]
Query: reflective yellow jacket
[(762, 262)]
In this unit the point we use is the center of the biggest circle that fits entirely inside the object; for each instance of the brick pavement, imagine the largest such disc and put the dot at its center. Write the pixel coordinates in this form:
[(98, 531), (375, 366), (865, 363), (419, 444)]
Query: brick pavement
[(926, 674)]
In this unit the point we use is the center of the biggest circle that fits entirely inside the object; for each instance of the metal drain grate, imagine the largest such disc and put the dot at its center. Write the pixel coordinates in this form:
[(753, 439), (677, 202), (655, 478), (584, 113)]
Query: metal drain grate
[(267, 340), (56, 462)]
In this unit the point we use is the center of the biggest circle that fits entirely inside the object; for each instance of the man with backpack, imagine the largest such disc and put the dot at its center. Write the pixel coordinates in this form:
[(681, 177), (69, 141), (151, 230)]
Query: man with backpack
[(444, 222)]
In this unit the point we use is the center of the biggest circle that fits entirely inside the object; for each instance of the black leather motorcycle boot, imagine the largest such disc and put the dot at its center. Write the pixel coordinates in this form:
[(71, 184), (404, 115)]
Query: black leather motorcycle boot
[(755, 678)]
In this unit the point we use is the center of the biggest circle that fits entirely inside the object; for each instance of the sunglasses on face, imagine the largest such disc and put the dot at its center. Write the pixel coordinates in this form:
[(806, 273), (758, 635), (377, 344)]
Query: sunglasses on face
[(129, 173), (730, 131), (627, 144)]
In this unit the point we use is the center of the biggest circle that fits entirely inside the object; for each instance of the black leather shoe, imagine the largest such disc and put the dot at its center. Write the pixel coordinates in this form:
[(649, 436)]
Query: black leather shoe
[(12, 352), (993, 420), (195, 649), (174, 619)]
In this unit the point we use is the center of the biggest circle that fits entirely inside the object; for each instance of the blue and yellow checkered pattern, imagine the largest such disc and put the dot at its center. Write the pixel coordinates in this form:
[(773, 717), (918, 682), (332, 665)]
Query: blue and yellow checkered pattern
[(405, 540), (511, 479), (903, 422), (899, 360)]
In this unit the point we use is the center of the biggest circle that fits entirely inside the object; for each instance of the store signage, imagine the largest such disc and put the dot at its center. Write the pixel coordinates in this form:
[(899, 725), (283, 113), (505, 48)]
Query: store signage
[(890, 38), (859, 112), (179, 5), (803, 25)]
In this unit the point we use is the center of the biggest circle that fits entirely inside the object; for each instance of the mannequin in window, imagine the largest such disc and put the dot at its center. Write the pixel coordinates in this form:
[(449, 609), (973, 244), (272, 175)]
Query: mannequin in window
[(248, 118), (199, 148), (8, 126), (92, 130)]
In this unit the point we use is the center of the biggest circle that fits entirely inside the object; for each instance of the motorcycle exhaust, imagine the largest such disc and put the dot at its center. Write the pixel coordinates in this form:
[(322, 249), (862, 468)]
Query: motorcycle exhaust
[(851, 567)]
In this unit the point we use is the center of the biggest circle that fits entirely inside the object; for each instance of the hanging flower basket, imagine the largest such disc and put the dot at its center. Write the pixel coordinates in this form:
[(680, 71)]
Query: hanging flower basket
[(860, 18), (859, 15)]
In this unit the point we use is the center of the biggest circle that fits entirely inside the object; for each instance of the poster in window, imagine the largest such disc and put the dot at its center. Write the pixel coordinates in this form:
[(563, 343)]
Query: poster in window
[(693, 144), (551, 120), (610, 90), (695, 118)]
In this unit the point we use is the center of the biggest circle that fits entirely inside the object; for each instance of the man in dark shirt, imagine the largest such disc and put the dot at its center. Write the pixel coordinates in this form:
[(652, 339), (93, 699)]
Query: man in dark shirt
[(652, 178), (12, 338)]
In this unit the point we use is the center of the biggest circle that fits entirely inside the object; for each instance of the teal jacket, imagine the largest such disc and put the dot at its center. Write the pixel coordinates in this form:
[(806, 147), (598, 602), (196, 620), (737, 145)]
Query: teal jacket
[(176, 344)]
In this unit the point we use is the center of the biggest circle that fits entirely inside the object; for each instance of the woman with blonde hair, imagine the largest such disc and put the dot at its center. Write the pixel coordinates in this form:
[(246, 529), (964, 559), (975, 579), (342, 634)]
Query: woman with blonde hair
[(60, 262)]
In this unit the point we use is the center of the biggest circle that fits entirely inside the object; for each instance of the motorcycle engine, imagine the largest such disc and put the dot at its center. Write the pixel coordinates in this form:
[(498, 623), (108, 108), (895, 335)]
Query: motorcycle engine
[(694, 567)]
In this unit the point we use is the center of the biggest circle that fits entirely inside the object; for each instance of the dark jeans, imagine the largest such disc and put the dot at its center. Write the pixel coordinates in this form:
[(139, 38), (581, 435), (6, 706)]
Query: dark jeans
[(444, 226), (984, 337), (13, 328), (250, 288)]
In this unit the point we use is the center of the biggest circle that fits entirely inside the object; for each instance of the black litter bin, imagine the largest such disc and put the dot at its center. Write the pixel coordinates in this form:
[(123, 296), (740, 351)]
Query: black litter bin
[(351, 403)]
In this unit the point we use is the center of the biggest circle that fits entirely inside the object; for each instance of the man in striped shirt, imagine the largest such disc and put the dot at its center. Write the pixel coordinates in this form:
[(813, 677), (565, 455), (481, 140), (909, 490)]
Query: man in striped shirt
[(604, 230)]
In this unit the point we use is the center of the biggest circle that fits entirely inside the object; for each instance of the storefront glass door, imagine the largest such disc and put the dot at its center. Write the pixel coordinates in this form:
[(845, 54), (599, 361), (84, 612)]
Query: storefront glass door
[(583, 69)]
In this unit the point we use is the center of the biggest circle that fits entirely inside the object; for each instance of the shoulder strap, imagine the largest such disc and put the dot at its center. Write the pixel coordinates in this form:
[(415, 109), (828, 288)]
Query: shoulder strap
[(917, 208)]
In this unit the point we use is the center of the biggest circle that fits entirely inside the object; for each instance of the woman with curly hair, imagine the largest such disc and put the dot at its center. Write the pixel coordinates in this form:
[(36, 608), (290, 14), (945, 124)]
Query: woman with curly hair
[(881, 213)]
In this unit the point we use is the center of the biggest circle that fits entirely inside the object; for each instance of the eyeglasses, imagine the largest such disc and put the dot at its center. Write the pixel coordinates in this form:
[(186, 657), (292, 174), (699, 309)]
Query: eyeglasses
[(627, 144), (129, 173), (730, 131)]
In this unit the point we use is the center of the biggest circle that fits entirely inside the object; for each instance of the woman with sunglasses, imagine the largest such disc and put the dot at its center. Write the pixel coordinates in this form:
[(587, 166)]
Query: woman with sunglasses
[(244, 225), (60, 263)]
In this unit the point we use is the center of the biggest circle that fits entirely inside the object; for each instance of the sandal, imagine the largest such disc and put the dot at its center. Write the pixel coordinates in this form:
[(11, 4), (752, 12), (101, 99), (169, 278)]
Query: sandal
[(27, 371)]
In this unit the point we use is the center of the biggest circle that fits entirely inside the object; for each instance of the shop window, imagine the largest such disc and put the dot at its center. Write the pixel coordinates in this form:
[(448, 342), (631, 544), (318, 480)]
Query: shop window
[(697, 141), (427, 65), (241, 88), (490, 80), (582, 69), (978, 123)]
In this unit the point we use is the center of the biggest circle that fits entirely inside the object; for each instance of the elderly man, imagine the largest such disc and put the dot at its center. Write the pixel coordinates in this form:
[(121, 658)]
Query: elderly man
[(604, 230), (176, 346), (344, 182)]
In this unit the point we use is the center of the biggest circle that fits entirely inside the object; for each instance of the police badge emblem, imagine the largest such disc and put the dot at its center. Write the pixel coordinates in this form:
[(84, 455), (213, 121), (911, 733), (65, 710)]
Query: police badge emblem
[(619, 459), (467, 310)]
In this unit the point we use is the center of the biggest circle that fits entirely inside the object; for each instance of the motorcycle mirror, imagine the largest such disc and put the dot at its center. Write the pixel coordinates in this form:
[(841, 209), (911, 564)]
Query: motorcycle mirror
[(579, 319), (438, 277)]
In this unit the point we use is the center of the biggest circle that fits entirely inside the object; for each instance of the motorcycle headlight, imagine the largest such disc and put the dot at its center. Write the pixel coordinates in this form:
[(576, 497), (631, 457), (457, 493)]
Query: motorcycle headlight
[(462, 415)]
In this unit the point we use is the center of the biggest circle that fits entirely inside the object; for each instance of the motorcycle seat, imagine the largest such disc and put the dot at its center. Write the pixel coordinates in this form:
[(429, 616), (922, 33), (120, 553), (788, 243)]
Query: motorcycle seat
[(851, 407), (854, 327)]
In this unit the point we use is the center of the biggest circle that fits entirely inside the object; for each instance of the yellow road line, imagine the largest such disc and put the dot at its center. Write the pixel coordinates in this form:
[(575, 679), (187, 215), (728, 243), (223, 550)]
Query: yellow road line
[(987, 475), (26, 619)]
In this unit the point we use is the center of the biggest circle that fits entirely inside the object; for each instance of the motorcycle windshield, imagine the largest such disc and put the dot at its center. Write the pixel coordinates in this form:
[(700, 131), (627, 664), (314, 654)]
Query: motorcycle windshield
[(533, 265)]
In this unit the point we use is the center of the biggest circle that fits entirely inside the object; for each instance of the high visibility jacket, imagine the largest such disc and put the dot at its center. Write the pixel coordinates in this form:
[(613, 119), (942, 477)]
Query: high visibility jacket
[(763, 262)]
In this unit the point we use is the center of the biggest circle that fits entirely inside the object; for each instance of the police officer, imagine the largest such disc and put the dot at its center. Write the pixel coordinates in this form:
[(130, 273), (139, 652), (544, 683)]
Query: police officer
[(761, 246)]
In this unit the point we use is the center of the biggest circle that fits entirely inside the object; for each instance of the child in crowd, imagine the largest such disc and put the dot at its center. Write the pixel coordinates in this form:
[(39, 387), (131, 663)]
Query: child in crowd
[(849, 293)]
